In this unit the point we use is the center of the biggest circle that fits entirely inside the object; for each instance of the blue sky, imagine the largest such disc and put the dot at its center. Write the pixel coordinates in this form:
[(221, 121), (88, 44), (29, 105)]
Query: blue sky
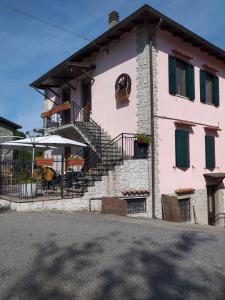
[(28, 48)]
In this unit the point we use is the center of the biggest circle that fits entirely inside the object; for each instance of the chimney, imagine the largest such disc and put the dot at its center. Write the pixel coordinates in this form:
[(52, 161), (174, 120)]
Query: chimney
[(114, 18)]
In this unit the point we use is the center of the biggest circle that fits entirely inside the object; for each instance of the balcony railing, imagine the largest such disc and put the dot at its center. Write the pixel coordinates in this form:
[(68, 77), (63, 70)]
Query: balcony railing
[(71, 113), (66, 113)]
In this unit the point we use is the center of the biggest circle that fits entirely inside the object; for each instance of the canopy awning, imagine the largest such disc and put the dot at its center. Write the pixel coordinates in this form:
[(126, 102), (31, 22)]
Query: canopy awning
[(62, 74), (213, 179)]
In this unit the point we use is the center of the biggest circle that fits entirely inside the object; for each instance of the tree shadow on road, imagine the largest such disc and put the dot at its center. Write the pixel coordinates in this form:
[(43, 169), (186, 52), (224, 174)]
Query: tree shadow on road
[(53, 269), (163, 273), (143, 269), (4, 209)]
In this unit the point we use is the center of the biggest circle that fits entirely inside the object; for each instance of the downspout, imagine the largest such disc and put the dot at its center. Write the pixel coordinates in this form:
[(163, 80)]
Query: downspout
[(152, 115)]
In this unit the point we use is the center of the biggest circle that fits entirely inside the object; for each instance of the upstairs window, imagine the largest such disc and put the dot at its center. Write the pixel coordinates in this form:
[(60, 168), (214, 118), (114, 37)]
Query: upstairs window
[(66, 94), (209, 88), (210, 160), (181, 78), (182, 149)]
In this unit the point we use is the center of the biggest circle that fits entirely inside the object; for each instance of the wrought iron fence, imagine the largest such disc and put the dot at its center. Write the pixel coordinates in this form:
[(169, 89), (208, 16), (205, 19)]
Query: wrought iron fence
[(18, 182)]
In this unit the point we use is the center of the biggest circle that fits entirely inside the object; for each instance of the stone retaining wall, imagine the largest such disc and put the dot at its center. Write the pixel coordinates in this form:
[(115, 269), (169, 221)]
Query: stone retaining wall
[(133, 174)]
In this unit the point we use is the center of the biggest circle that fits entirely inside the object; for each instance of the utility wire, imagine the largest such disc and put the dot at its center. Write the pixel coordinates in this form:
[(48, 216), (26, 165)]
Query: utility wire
[(47, 22)]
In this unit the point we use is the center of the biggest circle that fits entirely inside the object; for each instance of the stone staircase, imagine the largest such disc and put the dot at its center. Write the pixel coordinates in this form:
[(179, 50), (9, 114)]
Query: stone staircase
[(104, 155)]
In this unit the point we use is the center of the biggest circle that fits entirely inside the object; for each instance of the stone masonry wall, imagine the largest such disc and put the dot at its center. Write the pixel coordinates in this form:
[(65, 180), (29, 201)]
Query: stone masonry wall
[(200, 203), (143, 81), (144, 33), (132, 174)]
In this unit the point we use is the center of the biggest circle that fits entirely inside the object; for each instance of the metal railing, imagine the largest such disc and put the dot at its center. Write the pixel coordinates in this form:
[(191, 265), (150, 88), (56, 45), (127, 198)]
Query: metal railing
[(17, 183), (87, 126), (76, 115), (62, 179), (117, 150)]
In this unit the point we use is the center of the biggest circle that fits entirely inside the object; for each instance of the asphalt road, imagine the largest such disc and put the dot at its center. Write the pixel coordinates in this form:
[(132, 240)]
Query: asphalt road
[(50, 255)]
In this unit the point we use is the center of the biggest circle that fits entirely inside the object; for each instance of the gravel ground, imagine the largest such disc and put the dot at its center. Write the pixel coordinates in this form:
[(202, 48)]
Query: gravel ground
[(53, 255)]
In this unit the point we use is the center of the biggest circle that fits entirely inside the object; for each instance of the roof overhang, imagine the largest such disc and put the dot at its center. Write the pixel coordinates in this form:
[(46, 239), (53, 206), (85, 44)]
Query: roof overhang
[(146, 14), (214, 179), (62, 74), (10, 123)]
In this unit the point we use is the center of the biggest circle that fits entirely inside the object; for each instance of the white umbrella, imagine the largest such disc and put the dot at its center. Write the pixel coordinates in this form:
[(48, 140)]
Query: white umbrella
[(20, 146), (50, 140), (17, 145)]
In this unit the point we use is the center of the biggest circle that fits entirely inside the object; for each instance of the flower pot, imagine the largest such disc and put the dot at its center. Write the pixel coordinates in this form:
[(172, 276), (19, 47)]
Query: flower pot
[(44, 161), (28, 190), (75, 162), (56, 109), (140, 149)]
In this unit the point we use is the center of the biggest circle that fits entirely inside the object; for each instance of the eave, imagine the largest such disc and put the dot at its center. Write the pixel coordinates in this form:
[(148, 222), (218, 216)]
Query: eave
[(145, 14)]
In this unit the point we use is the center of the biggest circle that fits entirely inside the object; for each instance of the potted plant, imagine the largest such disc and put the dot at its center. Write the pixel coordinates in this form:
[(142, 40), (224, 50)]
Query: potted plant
[(28, 188), (75, 161), (56, 109), (141, 145), (41, 161)]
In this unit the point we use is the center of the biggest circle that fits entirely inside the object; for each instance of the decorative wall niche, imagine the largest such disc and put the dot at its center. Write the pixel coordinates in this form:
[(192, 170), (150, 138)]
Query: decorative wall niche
[(123, 88)]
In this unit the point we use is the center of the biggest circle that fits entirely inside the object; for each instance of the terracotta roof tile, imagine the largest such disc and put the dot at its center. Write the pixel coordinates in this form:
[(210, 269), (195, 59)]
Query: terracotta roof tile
[(182, 191), (135, 192)]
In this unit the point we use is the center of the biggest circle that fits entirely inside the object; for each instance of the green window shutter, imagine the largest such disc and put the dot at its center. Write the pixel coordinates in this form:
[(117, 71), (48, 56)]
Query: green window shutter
[(202, 86), (190, 82), (210, 151), (215, 91), (172, 75), (182, 149)]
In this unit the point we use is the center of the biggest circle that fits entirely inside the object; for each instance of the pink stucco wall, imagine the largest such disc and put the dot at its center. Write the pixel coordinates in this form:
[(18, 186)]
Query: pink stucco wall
[(115, 118), (176, 107)]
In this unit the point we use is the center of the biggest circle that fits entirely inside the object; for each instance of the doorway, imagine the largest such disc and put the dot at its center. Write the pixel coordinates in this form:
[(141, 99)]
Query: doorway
[(211, 191), (86, 99), (66, 97)]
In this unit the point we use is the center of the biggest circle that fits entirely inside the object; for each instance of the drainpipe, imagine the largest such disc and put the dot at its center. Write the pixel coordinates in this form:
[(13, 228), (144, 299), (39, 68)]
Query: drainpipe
[(152, 34)]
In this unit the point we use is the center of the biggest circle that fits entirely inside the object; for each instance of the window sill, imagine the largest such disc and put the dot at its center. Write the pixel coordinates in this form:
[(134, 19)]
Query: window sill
[(210, 104), (183, 97)]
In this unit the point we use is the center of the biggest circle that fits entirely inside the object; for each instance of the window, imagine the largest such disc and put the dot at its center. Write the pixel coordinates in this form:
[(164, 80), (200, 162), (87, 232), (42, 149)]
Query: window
[(184, 205), (181, 78), (66, 94), (209, 84), (210, 151), (182, 149), (136, 205), (209, 88)]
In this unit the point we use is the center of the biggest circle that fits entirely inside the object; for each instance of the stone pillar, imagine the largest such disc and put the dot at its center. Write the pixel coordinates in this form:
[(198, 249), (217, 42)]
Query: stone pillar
[(144, 33)]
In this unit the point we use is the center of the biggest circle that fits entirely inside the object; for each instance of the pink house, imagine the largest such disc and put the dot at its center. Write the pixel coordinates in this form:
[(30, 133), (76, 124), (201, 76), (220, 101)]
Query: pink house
[(145, 75)]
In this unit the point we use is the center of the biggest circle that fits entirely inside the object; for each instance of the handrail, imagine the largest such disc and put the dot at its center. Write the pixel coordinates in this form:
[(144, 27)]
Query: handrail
[(87, 126), (85, 114), (93, 130), (113, 142), (119, 135)]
